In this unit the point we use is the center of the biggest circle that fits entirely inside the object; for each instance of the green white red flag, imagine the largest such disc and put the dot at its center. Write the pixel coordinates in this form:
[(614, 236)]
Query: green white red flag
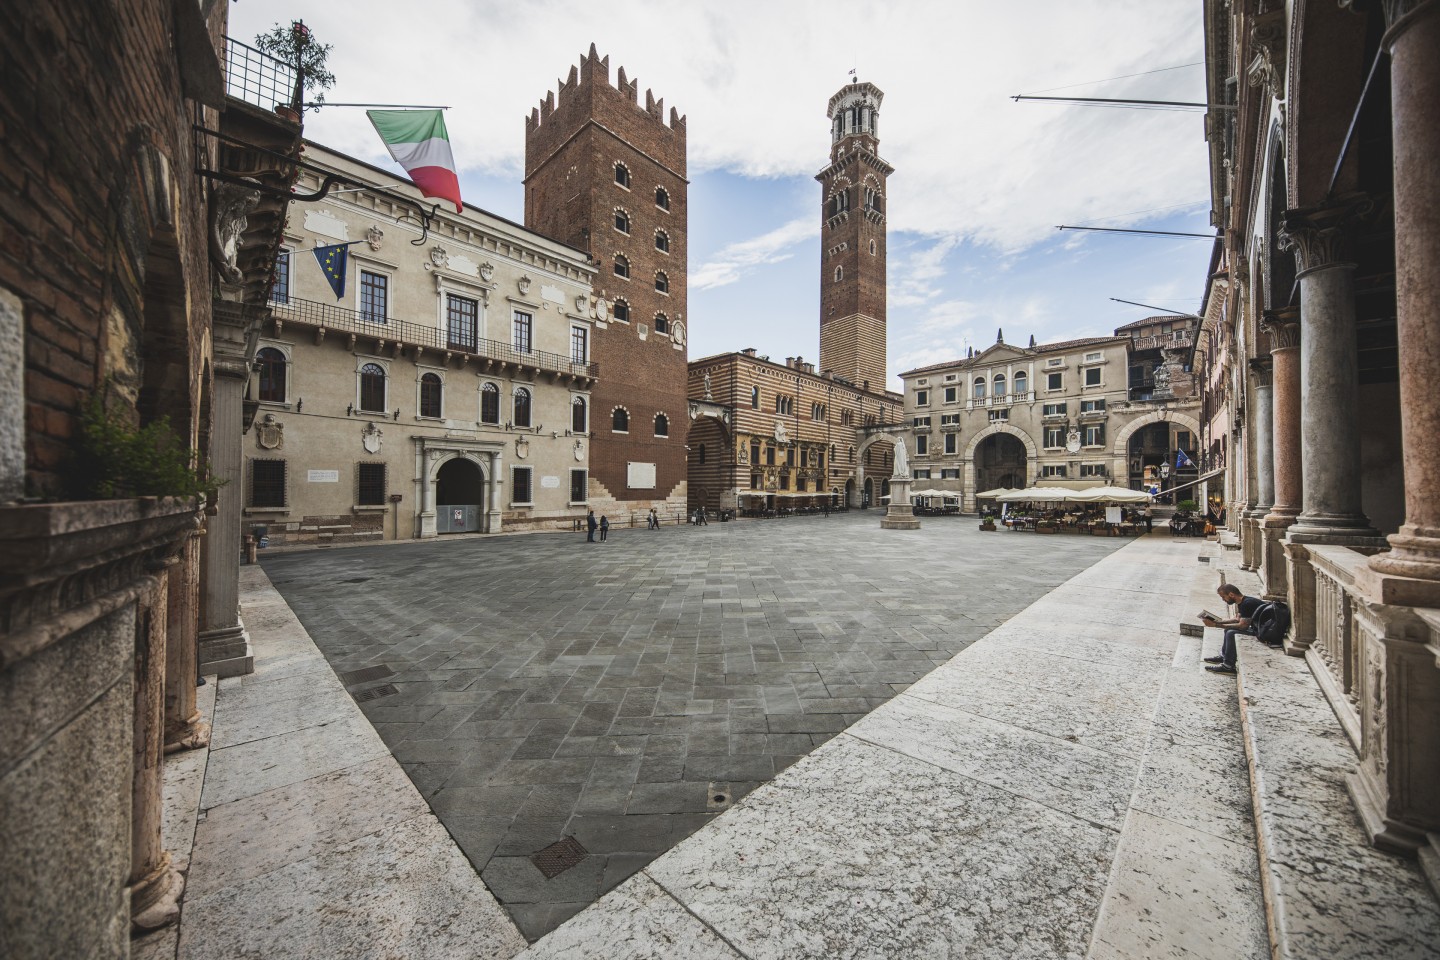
[(418, 141)]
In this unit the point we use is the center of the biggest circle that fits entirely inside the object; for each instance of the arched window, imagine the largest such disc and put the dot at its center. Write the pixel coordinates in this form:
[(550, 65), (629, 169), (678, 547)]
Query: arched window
[(662, 425), (622, 220), (522, 407), (430, 395), (622, 174), (662, 241), (620, 420), (489, 403), (979, 388), (372, 388), (622, 265), (999, 384), (662, 323), (754, 398), (839, 274), (272, 375), (662, 198), (622, 310), (662, 282), (872, 248), (579, 416), (1022, 384)]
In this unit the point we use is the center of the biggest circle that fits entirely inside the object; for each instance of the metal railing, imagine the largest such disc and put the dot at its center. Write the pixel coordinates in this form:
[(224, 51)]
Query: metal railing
[(258, 78), (332, 317)]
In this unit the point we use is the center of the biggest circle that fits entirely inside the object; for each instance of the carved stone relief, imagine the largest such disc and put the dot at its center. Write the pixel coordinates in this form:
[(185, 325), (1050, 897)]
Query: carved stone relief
[(270, 433), (370, 438)]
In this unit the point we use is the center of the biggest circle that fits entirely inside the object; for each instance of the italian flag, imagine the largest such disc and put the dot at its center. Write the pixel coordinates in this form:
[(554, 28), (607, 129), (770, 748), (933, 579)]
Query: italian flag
[(418, 141)]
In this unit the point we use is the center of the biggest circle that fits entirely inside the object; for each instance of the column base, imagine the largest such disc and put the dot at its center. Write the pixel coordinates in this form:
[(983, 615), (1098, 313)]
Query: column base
[(1384, 832), (1337, 530), (226, 652), (155, 900), (1272, 555), (1382, 586), (1414, 554), (193, 734)]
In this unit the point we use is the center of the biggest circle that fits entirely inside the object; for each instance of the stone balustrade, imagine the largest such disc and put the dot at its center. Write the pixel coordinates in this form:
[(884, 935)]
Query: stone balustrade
[(1334, 656)]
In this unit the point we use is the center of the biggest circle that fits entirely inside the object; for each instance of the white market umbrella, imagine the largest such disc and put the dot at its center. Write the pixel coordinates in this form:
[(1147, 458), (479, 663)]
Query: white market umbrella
[(1035, 495), (1111, 495), (993, 494)]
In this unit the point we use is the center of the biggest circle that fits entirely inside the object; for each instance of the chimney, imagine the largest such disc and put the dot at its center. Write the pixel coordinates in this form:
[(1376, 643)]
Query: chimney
[(748, 351)]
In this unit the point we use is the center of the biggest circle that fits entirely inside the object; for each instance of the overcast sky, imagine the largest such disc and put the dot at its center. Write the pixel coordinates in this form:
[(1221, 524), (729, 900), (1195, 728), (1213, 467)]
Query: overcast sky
[(980, 181)]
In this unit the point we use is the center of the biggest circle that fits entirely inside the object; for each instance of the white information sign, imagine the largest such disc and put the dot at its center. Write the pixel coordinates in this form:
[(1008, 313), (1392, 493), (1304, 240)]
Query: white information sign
[(323, 476), (641, 476), (1112, 514), (549, 483)]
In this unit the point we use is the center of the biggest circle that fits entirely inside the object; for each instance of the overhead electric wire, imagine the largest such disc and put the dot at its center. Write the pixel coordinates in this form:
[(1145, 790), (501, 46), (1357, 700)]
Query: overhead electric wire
[(1125, 102), (1145, 73), (1154, 233)]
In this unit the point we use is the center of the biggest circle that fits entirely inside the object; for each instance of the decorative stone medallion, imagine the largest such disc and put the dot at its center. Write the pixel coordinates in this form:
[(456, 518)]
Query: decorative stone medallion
[(523, 284), (602, 309), (270, 433), (438, 256), (370, 438), (522, 447), (579, 451), (1072, 440), (375, 237), (487, 270)]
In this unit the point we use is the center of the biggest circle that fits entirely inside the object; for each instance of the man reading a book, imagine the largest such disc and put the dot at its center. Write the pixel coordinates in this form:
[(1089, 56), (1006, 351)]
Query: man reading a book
[(1245, 608)]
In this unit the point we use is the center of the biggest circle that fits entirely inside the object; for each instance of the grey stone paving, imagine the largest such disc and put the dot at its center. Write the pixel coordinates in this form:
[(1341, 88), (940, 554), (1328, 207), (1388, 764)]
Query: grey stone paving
[(625, 693)]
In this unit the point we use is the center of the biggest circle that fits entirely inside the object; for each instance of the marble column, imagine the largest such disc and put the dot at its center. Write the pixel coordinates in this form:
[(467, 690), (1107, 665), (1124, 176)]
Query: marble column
[(1412, 40), (185, 729), (1329, 381), (155, 886), (224, 643), (495, 467), (1263, 466), (1283, 327)]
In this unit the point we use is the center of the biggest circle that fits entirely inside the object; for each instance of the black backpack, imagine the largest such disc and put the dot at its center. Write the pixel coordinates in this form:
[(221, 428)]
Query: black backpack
[(1271, 622)]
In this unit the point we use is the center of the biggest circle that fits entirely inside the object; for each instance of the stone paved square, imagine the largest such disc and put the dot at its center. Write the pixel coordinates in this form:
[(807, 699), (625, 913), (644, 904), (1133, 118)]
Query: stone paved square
[(625, 693)]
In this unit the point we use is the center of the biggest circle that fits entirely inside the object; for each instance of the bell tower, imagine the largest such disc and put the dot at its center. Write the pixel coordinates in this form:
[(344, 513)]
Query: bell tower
[(852, 256)]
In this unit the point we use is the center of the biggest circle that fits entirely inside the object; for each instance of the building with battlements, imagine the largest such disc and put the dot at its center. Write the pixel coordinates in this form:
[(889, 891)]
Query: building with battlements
[(607, 175)]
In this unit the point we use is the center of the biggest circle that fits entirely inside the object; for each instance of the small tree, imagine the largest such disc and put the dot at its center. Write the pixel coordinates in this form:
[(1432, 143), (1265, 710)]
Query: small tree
[(296, 46)]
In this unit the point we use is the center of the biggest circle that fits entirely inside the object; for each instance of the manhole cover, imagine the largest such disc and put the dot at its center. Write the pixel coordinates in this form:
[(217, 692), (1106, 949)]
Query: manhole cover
[(559, 857), (365, 675), (375, 693)]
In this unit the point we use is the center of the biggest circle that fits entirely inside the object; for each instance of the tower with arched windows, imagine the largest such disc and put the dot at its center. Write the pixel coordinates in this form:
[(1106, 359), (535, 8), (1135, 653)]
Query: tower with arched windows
[(852, 268)]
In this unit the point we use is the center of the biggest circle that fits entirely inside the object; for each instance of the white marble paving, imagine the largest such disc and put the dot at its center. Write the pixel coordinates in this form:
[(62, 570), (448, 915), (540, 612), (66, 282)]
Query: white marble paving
[(650, 925)]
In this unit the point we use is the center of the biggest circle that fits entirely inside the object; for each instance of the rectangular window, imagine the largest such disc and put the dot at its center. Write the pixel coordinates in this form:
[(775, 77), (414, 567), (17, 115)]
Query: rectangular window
[(922, 421), (1092, 357), (950, 442), (1094, 434), (1183, 440), (922, 474), (784, 481), (523, 329), (949, 474), (370, 484), (519, 485), (1054, 381), (1092, 377), (579, 345), (922, 445), (267, 483), (789, 456), (756, 481), (799, 484), (922, 398), (462, 321), (579, 486), (1092, 406), (1092, 470), (1052, 470), (1001, 414), (374, 296), (952, 394), (1053, 410), (280, 289), (1055, 361), (770, 456), (754, 451), (1054, 437), (949, 418)]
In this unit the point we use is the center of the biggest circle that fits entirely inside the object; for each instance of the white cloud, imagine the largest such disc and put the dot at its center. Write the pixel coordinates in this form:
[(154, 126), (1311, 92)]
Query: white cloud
[(734, 261), (754, 79)]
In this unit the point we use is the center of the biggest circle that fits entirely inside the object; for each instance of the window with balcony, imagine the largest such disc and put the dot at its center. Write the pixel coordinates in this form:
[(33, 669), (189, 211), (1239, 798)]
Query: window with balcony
[(522, 330), (462, 322), (999, 384), (374, 296), (280, 288), (979, 388), (1022, 384)]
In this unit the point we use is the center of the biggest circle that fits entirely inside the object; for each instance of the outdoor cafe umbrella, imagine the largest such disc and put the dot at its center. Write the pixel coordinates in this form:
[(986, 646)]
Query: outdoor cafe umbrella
[(1035, 495), (1110, 495), (993, 494)]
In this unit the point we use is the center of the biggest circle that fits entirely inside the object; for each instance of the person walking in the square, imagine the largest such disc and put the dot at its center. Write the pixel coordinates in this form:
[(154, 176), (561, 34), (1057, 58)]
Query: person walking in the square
[(653, 522), (604, 528), (590, 526)]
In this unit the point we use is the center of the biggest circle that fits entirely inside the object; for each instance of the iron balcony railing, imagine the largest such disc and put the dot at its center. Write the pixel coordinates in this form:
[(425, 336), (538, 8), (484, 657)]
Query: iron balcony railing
[(258, 78), (332, 317)]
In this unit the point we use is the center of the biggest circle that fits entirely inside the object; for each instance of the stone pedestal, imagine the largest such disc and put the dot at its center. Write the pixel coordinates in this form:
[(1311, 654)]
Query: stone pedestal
[(185, 729), (900, 515)]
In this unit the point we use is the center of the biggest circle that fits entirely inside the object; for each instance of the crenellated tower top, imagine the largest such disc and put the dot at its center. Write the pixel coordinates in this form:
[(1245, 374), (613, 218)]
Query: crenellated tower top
[(582, 80)]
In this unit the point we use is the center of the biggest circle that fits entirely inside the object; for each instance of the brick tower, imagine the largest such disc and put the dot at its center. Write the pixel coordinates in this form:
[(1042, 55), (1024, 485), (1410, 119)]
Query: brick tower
[(606, 175), (852, 263)]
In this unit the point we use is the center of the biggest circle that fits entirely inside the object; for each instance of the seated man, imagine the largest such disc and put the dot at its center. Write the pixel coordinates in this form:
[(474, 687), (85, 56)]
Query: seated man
[(1245, 607)]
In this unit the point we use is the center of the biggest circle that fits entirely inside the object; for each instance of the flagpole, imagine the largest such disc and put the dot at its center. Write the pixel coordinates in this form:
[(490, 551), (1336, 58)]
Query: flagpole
[(382, 106)]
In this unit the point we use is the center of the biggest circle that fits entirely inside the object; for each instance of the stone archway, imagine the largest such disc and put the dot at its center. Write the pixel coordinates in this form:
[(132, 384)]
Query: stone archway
[(1030, 449), (1001, 461), (1122, 436), (460, 496)]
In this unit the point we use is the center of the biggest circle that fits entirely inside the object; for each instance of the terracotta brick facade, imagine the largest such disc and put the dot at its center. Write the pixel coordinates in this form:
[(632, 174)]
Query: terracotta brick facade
[(575, 142)]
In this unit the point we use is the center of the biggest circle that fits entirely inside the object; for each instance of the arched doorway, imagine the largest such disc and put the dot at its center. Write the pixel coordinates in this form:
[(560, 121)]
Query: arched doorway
[(869, 496), (999, 462), (850, 493), (459, 496)]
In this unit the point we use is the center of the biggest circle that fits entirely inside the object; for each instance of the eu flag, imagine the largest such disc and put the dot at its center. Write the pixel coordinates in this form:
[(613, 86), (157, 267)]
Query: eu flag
[(332, 260), (1182, 461)]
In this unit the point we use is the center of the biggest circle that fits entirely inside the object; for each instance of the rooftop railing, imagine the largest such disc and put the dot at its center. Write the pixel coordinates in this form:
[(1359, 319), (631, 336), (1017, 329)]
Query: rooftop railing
[(258, 78), (331, 317)]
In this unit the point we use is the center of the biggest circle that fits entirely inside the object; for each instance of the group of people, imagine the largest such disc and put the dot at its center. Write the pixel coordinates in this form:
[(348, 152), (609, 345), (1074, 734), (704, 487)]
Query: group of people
[(602, 525), (1243, 624)]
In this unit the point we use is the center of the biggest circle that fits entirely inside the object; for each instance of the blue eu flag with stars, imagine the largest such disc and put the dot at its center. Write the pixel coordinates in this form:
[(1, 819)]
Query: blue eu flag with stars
[(1181, 461), (332, 260)]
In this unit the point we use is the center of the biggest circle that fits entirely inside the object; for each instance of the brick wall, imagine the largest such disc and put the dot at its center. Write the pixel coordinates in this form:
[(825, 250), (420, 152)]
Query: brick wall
[(97, 198)]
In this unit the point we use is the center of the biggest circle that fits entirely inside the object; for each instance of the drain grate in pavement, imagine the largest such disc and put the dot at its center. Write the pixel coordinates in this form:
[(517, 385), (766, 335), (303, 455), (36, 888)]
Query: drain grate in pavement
[(375, 693), (559, 857), (365, 675)]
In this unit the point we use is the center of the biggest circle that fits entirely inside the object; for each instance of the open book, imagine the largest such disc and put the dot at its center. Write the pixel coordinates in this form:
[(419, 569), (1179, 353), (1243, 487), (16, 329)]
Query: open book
[(1207, 615)]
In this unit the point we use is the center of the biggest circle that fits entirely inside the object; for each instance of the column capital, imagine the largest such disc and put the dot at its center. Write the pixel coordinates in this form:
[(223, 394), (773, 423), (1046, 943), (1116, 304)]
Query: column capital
[(1283, 326), (1261, 367), (1322, 235), (1267, 40)]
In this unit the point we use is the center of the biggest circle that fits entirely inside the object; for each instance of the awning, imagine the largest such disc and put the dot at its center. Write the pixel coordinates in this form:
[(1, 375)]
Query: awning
[(993, 494), (1191, 483)]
